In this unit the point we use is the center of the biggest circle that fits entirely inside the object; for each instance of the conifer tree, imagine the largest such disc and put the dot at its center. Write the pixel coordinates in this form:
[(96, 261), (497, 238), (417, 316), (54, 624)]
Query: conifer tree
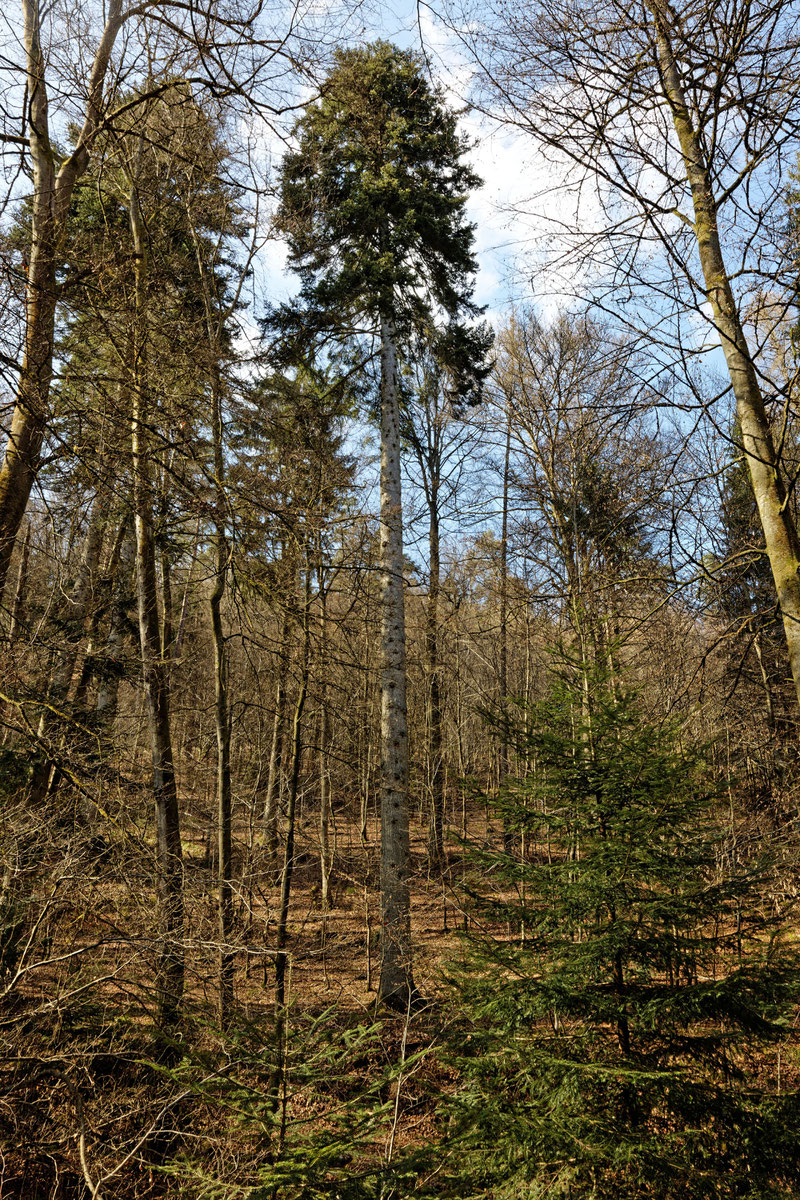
[(611, 1044), (373, 206)]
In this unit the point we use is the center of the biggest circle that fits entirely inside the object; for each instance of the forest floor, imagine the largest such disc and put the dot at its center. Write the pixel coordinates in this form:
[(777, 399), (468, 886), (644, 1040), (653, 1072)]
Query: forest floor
[(81, 1046), (81, 1049), (334, 966), (335, 951)]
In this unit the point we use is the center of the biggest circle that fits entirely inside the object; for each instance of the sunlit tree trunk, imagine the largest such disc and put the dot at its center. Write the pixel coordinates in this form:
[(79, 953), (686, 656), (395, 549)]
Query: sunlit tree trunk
[(52, 194), (170, 954), (396, 982), (780, 534)]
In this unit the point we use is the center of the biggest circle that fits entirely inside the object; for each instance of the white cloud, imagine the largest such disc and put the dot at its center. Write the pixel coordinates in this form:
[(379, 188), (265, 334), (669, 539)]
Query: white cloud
[(525, 199)]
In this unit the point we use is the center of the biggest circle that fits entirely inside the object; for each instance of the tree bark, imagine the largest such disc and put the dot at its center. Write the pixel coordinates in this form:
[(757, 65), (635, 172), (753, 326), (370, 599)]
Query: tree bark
[(222, 723), (435, 741), (215, 317), (291, 810), (121, 597), (71, 620), (508, 840), (396, 981), (170, 954), (780, 534), (282, 935), (52, 194), (166, 608), (18, 604), (109, 577), (325, 854), (272, 801)]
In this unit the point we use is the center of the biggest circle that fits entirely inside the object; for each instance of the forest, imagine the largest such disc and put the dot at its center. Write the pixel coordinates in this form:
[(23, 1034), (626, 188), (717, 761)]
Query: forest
[(400, 600)]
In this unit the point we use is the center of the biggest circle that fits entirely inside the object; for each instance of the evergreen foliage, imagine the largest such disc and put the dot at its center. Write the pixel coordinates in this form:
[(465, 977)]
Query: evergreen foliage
[(322, 1138), (373, 207), (611, 1033), (373, 199), (745, 586)]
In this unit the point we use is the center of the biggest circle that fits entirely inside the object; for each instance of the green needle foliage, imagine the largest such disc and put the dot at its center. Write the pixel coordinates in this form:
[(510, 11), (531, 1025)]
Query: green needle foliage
[(373, 207), (625, 1018), (323, 1137)]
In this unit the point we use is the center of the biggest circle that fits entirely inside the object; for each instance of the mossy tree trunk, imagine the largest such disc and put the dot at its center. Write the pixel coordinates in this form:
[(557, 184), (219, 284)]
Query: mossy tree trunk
[(53, 188), (763, 463)]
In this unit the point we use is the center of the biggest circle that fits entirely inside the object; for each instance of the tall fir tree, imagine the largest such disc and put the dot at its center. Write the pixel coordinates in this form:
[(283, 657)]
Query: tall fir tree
[(373, 206)]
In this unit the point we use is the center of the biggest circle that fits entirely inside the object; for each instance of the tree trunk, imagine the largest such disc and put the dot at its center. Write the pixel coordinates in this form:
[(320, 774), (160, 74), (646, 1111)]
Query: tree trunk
[(325, 855), (396, 983), (170, 955), (18, 604), (436, 773), (52, 194), (177, 646), (282, 936), (291, 812), (167, 631), (222, 721), (508, 840), (170, 968), (780, 534), (272, 800), (90, 659), (72, 617), (88, 672), (121, 596), (365, 751)]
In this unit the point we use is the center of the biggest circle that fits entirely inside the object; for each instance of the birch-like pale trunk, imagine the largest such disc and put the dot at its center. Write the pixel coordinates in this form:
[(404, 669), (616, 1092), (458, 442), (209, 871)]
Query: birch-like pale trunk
[(51, 197), (18, 603), (121, 595), (780, 533), (396, 982), (169, 870)]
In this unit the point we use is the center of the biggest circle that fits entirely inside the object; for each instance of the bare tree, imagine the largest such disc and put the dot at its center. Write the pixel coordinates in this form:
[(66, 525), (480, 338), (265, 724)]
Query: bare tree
[(444, 445), (673, 130), (589, 473)]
